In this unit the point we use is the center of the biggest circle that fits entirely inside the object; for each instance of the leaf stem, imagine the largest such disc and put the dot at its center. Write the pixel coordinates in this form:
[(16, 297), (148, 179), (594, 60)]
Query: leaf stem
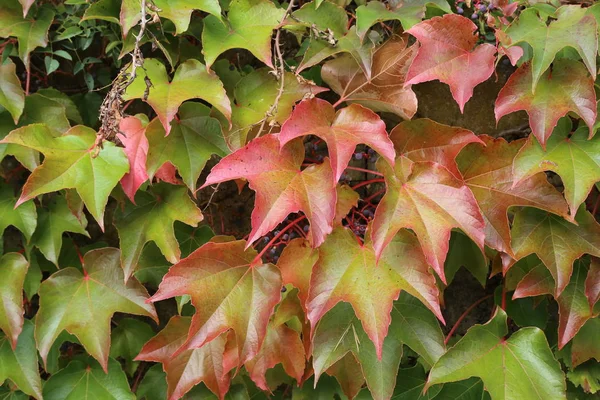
[(463, 316), (368, 171), (368, 182), (281, 232)]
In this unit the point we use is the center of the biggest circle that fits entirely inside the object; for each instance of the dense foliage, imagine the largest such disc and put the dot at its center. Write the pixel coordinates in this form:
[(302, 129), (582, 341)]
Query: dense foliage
[(133, 130)]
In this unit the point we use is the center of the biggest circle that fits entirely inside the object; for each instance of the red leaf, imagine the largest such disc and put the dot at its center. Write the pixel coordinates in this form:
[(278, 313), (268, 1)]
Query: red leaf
[(449, 53), (342, 131), (296, 264), (281, 188), (592, 283), (168, 173), (136, 149)]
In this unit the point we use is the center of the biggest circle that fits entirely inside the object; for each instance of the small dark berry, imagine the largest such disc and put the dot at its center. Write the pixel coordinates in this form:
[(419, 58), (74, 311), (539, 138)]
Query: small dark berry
[(371, 152), (319, 158), (275, 259), (273, 251), (285, 236), (460, 10), (482, 8), (305, 229), (358, 156), (474, 16), (276, 233), (368, 213), (283, 289), (292, 235), (266, 239)]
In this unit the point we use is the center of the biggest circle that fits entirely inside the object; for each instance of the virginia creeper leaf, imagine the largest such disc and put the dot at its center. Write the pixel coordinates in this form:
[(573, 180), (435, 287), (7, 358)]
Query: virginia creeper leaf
[(23, 217), (586, 344), (152, 219), (346, 199), (573, 157), (191, 81), (180, 11), (411, 383), (136, 148), (13, 269), (592, 282), (428, 199), (70, 163), (154, 384), (463, 390), (487, 171), (529, 370), (463, 252), (567, 87), (349, 375), (558, 243), (249, 26), (189, 367), (281, 188), (448, 48), (83, 303), (12, 96), (387, 89), (227, 293), (588, 378), (296, 264), (342, 131), (71, 111), (324, 16), (127, 340), (535, 278), (21, 364)]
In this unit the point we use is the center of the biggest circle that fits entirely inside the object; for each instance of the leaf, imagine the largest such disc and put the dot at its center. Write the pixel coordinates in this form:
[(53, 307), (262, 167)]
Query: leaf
[(190, 367), (324, 16), (70, 108), (22, 217), (387, 89), (191, 81), (83, 303), (281, 189), (136, 148), (428, 199), (342, 131), (586, 343), (425, 140), (154, 385), (573, 157), (448, 50), (227, 293), (180, 11), (20, 365), (296, 264), (411, 383), (127, 339), (566, 87), (487, 171), (152, 219), (463, 252), (12, 96), (529, 370), (592, 282), (191, 143), (81, 380), (69, 163), (572, 28), (587, 377), (463, 390), (53, 221), (558, 243), (13, 269), (249, 26), (347, 271)]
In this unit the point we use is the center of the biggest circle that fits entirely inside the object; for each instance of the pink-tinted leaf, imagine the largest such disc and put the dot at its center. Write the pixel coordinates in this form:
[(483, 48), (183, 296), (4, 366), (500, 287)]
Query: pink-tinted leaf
[(13, 269), (342, 131), (592, 283), (296, 264), (167, 173), (136, 148), (449, 53)]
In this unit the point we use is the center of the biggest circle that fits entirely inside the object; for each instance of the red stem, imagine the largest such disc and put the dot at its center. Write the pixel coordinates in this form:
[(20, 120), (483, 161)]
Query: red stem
[(595, 209), (460, 319), (281, 232), (365, 183), (368, 171)]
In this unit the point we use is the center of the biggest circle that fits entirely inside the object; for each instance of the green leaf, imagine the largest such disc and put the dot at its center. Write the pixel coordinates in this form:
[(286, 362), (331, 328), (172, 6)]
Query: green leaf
[(411, 382), (191, 81), (84, 380), (107, 10), (249, 26), (463, 252), (13, 268), (587, 376), (528, 368), (24, 217), (70, 162), (152, 219), (154, 384), (586, 344), (469, 389), (127, 340), (83, 304), (179, 11), (12, 96), (326, 16), (21, 365), (71, 110)]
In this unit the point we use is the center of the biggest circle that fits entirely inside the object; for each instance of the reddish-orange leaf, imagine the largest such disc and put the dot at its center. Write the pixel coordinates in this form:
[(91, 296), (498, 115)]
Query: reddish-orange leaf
[(227, 293), (428, 199), (426, 140), (190, 367), (592, 283), (281, 188), (487, 171), (342, 131), (449, 53), (136, 149), (296, 264), (537, 281), (566, 87), (348, 271), (168, 173)]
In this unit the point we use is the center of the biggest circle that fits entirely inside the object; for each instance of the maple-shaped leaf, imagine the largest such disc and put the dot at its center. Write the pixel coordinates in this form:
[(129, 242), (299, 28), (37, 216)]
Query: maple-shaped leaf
[(348, 271), (557, 242), (592, 282), (571, 27), (529, 369), (347, 371), (83, 303), (190, 367), (228, 294), (567, 87), (70, 162), (180, 11), (152, 219), (281, 188), (572, 156), (136, 148), (249, 26), (83, 379), (342, 131), (12, 96), (191, 81), (529, 277), (127, 339), (296, 264), (386, 90), (586, 344), (194, 138), (487, 171), (427, 198), (53, 220), (412, 381), (449, 54), (426, 140), (20, 365), (22, 217), (323, 15), (13, 269)]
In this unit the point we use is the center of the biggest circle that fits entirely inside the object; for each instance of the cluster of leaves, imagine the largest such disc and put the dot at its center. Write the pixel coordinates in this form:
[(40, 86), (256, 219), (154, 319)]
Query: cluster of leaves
[(360, 221)]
